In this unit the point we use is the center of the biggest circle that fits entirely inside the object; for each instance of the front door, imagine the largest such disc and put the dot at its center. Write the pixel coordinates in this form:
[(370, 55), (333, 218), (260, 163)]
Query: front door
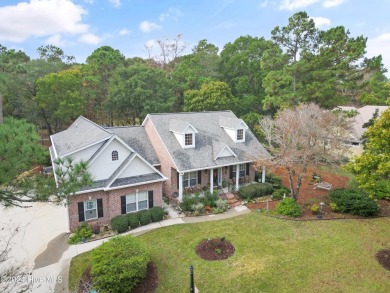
[(220, 176)]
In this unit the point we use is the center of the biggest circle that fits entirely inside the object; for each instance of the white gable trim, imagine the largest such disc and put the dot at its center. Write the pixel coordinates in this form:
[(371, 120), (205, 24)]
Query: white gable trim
[(106, 145), (134, 155), (85, 147), (228, 149), (194, 130)]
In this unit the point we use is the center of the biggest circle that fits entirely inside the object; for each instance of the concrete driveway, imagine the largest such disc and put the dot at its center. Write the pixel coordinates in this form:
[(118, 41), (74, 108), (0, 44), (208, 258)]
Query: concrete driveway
[(38, 228)]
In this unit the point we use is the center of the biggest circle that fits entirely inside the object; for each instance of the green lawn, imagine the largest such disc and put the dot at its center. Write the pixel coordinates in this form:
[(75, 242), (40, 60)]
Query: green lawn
[(272, 255)]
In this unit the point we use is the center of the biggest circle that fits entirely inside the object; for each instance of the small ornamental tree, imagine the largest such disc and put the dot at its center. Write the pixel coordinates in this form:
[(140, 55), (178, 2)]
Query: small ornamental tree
[(372, 167), (303, 136), (119, 264)]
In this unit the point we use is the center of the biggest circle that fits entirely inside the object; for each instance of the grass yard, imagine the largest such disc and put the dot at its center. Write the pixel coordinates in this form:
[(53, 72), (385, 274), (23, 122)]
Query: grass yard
[(272, 255)]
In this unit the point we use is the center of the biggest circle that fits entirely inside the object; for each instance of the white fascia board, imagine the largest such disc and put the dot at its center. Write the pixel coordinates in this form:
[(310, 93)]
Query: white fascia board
[(124, 167), (106, 145), (135, 184), (229, 149), (87, 146)]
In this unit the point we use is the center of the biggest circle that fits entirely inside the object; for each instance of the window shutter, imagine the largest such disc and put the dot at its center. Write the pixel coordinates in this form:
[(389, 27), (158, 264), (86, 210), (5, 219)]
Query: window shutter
[(231, 172), (100, 207), (200, 177), (123, 205), (247, 169), (150, 195), (177, 180), (81, 211)]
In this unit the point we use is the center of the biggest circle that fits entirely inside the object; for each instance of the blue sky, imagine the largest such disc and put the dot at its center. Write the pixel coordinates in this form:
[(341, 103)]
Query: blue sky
[(81, 26)]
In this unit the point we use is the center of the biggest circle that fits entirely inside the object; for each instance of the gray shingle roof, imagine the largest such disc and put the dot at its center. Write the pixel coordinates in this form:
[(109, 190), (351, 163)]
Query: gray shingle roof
[(209, 132), (138, 140), (231, 123), (70, 139), (178, 126)]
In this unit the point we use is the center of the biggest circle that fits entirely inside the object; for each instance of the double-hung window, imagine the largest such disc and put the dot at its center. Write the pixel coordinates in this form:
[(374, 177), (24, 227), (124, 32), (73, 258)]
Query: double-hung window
[(188, 139), (240, 134), (242, 170), (136, 202), (90, 210), (190, 179)]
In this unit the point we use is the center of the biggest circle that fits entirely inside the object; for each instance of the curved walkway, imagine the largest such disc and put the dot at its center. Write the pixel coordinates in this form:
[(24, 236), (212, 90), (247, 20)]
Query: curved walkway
[(55, 259)]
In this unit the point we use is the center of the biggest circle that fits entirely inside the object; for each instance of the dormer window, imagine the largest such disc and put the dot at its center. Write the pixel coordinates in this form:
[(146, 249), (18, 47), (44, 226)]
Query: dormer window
[(234, 127), (184, 133), (114, 155), (240, 134), (188, 139)]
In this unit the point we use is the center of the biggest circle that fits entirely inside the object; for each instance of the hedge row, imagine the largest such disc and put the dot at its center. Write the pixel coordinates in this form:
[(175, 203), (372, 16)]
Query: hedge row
[(251, 191), (121, 223)]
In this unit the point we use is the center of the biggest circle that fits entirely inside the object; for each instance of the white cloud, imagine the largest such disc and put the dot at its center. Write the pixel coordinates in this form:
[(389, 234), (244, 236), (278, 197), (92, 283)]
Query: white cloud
[(295, 4), (151, 43), (90, 39), (124, 32), (147, 26), (41, 18), (321, 21), (89, 1), (115, 3), (173, 13), (56, 40), (380, 45), (332, 3)]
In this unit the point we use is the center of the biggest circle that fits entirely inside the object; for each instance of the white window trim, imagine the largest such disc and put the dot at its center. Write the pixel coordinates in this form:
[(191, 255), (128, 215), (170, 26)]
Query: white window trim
[(193, 140), (116, 154), (137, 196), (243, 135), (86, 210), (242, 169), (188, 179)]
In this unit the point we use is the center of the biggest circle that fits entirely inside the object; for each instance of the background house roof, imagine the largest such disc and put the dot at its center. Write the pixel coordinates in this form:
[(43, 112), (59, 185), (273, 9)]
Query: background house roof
[(365, 114), (209, 133), (137, 139), (70, 140)]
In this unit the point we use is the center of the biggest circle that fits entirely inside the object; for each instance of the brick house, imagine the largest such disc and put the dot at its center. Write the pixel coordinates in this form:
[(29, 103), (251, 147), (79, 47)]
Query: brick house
[(169, 154)]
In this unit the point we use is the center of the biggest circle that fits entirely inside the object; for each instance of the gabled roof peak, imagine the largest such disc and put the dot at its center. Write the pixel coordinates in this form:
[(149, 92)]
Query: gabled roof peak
[(232, 123), (179, 126)]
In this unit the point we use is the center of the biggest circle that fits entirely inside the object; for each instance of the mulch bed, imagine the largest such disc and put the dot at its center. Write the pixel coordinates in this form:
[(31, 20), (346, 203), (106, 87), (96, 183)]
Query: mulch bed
[(383, 257), (308, 196), (148, 285), (215, 249)]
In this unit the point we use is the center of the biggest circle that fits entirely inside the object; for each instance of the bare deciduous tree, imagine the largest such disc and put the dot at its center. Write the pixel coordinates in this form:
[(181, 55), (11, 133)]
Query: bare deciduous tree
[(304, 136), (267, 125), (170, 49)]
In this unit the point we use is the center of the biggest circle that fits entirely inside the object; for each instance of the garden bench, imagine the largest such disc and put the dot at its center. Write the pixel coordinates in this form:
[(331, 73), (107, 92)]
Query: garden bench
[(323, 185)]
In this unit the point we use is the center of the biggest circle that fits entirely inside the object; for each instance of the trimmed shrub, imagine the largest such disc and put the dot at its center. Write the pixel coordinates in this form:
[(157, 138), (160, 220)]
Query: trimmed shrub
[(222, 205), (145, 217), (274, 179), (157, 214), (119, 264), (315, 209), (381, 190), (354, 201), (288, 207), (133, 220), (83, 232), (188, 202), (279, 193), (120, 223), (209, 198), (251, 191), (198, 209)]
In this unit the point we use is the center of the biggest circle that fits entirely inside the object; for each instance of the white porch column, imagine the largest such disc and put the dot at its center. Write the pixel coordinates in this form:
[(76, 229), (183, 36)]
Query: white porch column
[(237, 176), (211, 180), (181, 186), (263, 175)]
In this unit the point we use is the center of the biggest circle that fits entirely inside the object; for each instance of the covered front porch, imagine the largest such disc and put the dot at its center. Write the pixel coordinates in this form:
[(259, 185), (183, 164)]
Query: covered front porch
[(222, 177)]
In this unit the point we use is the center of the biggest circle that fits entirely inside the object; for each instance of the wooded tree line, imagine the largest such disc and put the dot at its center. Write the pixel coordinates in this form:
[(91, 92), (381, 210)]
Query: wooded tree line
[(252, 76)]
